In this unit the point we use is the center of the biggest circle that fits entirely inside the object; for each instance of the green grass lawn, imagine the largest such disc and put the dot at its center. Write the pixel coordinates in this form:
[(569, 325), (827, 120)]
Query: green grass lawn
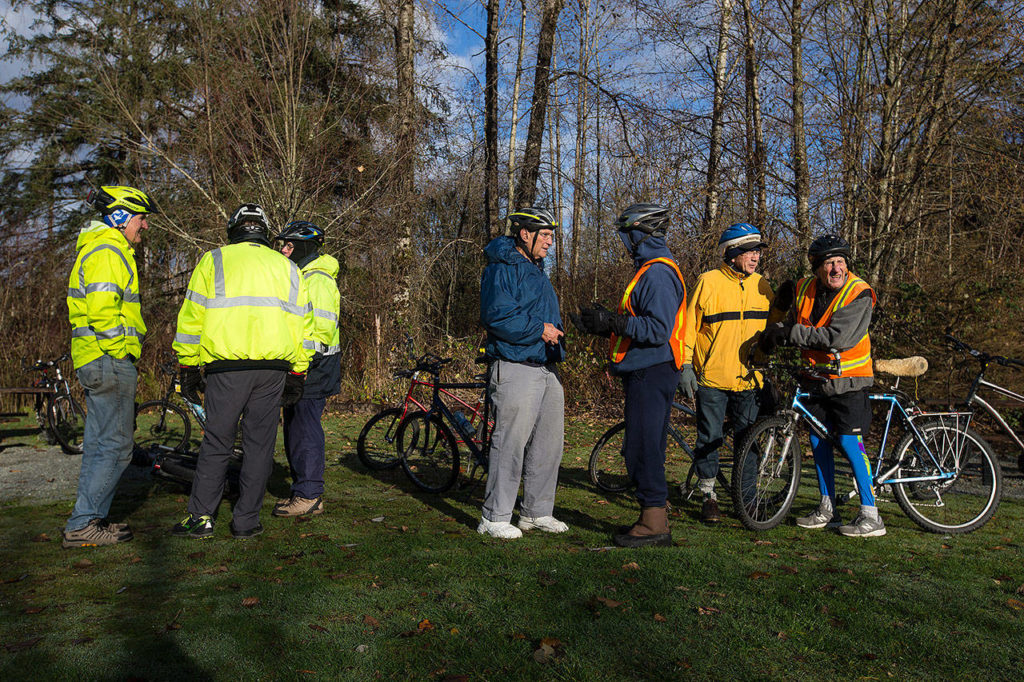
[(392, 583)]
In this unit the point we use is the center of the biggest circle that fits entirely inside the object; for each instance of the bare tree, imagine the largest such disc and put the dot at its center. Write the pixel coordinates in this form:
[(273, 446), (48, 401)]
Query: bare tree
[(491, 122)]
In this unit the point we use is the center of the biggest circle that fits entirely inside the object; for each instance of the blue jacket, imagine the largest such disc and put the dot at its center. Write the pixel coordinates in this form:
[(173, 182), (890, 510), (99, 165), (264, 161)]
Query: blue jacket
[(655, 301), (516, 299)]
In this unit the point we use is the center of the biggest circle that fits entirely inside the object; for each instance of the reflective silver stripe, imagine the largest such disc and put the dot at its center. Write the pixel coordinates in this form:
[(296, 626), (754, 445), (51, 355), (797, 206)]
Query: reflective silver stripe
[(93, 287), (196, 298), (128, 267), (310, 273), (75, 293), (111, 333), (187, 338), (129, 297), (332, 350), (258, 302), (326, 314), (79, 332), (293, 293), (219, 290), (310, 344)]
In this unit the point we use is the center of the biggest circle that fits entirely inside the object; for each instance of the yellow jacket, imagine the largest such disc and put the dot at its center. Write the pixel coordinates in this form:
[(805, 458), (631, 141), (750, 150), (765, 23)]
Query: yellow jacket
[(320, 277), (724, 315), (104, 307), (245, 302)]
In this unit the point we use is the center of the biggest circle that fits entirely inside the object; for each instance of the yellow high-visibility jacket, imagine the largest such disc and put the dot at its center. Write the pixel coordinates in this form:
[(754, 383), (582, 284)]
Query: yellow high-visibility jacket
[(245, 302), (320, 276), (104, 306), (724, 315)]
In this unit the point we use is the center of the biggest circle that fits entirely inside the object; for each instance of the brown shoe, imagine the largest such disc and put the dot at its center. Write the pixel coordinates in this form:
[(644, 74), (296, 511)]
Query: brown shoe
[(299, 506), (709, 511), (651, 530), (93, 535), (120, 529)]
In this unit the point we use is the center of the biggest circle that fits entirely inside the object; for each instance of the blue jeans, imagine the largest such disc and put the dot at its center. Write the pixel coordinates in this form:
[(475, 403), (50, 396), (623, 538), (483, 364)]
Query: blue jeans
[(107, 443), (713, 404)]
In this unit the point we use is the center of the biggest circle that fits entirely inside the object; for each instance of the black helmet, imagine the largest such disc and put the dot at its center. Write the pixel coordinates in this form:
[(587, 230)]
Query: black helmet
[(649, 218), (532, 218), (825, 247), (249, 224), (301, 231)]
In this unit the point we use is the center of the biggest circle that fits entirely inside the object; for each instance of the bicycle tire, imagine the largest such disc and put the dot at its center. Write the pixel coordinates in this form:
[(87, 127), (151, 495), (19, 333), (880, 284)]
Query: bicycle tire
[(766, 473), (158, 422), (176, 468), (430, 456), (376, 448), (607, 465), (957, 505), (67, 423)]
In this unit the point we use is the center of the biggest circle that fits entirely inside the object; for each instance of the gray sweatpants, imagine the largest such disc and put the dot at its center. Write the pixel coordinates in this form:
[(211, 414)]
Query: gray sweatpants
[(256, 394), (529, 408)]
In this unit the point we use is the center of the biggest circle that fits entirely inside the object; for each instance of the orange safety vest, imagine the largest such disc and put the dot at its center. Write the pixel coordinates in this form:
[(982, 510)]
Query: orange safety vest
[(620, 344), (855, 362)]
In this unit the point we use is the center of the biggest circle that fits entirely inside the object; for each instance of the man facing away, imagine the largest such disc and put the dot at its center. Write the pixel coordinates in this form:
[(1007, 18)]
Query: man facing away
[(105, 312)]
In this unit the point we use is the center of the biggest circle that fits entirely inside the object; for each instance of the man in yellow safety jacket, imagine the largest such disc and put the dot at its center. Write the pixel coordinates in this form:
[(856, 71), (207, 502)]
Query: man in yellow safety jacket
[(725, 312), (830, 317), (105, 312), (245, 320), (304, 444)]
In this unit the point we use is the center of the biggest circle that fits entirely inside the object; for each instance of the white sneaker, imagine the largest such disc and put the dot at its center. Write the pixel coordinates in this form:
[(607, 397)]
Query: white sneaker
[(499, 529), (545, 523)]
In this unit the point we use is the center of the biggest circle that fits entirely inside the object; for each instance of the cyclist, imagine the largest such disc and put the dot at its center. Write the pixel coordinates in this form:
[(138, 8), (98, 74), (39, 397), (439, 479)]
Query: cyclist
[(725, 312), (244, 321), (831, 314), (105, 312), (647, 351), (519, 310), (301, 241)]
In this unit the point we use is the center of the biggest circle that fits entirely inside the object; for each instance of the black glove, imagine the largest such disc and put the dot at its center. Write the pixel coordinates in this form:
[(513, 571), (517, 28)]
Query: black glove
[(773, 336), (600, 321), (293, 385), (192, 383), (784, 296)]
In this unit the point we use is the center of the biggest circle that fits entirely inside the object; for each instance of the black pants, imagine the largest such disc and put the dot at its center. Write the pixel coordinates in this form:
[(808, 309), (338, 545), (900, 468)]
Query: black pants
[(254, 395)]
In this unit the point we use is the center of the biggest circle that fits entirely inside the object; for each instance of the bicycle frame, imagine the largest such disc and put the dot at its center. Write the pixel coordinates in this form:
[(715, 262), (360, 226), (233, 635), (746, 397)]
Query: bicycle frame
[(974, 399), (478, 444)]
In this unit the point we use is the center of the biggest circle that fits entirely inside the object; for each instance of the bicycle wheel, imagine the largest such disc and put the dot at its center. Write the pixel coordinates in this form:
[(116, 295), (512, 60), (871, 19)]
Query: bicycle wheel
[(766, 473), (959, 504), (376, 445), (67, 423), (607, 465), (158, 422), (429, 454)]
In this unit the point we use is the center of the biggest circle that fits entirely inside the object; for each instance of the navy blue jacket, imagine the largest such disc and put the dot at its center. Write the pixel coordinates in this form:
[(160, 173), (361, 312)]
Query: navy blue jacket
[(516, 299), (655, 300)]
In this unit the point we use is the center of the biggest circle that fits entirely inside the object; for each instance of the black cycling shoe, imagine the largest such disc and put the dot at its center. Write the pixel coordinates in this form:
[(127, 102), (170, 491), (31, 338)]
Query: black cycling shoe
[(196, 527), (242, 534)]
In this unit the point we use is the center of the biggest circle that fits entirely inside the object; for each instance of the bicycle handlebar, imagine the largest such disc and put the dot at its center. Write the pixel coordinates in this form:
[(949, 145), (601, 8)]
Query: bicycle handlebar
[(981, 356), (41, 365)]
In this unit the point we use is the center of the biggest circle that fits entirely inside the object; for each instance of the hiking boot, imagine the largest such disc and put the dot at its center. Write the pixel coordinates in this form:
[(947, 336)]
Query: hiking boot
[(709, 511), (499, 529), (299, 506), (249, 533), (546, 523), (94, 534), (120, 529), (196, 527), (650, 531), (863, 527)]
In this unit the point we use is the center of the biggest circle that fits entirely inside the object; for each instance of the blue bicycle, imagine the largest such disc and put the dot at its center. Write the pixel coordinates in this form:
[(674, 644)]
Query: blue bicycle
[(943, 475)]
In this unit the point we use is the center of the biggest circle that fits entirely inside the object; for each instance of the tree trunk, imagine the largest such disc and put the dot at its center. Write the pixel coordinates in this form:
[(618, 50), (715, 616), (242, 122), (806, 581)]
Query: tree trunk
[(579, 164), (801, 171), (491, 123), (515, 106), (717, 117), (757, 190), (526, 193)]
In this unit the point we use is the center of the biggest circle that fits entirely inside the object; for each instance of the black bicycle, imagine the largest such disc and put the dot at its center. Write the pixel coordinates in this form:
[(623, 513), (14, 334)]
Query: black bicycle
[(59, 415)]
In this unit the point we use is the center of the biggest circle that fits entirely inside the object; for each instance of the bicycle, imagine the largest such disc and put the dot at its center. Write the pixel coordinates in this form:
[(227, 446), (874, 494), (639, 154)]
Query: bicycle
[(607, 465), (58, 414), (425, 441), (943, 475), (972, 399)]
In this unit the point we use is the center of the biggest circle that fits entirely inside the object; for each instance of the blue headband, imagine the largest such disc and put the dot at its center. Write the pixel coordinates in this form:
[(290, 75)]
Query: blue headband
[(118, 218)]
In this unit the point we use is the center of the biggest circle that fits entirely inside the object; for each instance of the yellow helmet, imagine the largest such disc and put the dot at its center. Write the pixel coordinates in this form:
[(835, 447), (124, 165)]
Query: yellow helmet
[(110, 198)]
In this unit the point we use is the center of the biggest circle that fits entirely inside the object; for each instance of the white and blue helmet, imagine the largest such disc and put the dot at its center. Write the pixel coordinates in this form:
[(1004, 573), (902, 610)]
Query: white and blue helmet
[(739, 238)]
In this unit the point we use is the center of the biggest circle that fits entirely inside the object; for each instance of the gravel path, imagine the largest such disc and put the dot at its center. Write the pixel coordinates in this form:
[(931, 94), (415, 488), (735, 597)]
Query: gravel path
[(37, 473)]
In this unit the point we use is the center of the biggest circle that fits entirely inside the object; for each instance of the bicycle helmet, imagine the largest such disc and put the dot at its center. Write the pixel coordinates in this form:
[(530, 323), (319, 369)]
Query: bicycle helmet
[(647, 218), (739, 238), (825, 247), (533, 219), (109, 198), (249, 224), (301, 231)]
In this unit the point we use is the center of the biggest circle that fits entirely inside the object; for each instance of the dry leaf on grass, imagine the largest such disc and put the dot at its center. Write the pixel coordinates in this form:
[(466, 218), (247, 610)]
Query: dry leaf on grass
[(660, 618), (707, 610), (631, 566), (371, 621), (249, 602), (759, 575)]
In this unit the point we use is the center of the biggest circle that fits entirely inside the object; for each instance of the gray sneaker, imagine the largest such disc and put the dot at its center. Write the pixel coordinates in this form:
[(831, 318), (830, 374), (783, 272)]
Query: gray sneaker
[(863, 527), (94, 534), (819, 519)]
